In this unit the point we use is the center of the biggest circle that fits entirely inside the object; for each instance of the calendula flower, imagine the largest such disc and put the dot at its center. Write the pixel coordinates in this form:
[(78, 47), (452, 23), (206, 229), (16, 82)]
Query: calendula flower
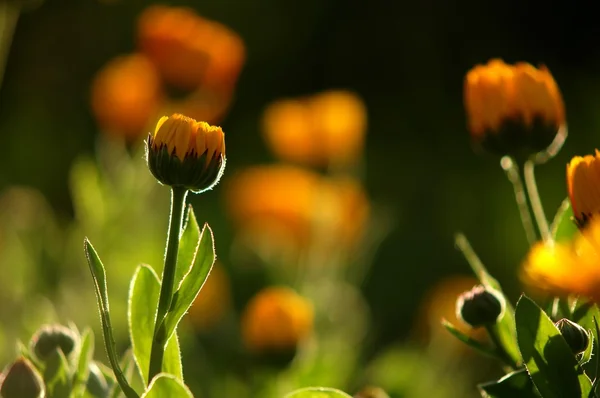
[(288, 204), (323, 129), (276, 319), (213, 301), (513, 108), (583, 178), (126, 94), (184, 152), (562, 269), (189, 51)]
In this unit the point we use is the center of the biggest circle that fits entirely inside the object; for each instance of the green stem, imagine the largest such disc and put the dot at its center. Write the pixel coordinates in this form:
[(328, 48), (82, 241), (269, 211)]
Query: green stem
[(534, 199), (157, 352), (512, 172), (501, 352)]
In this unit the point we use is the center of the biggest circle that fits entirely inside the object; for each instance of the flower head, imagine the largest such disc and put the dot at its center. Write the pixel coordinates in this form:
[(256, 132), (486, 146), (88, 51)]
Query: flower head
[(566, 268), (184, 152), (583, 180), (126, 94), (276, 319), (513, 108), (190, 51), (326, 128)]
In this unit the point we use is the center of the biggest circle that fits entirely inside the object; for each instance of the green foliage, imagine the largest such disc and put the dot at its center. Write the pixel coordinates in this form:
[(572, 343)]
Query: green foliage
[(546, 355), (516, 384), (143, 299), (563, 226), (166, 385), (317, 392)]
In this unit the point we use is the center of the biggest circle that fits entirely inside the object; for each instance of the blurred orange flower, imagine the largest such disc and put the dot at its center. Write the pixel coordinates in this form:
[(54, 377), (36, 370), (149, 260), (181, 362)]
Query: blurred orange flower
[(213, 301), (504, 102), (277, 318), (190, 51), (297, 204), (566, 268), (126, 96), (583, 176), (440, 303), (326, 128)]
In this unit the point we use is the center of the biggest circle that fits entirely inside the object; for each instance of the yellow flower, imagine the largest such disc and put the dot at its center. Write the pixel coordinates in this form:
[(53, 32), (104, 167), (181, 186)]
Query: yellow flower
[(184, 152), (190, 51), (276, 319), (512, 108), (583, 180), (290, 204), (213, 301), (126, 94), (326, 128), (566, 268)]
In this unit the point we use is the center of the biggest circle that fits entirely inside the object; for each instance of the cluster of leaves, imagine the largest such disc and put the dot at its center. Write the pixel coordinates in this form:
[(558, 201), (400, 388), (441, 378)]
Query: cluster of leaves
[(539, 360)]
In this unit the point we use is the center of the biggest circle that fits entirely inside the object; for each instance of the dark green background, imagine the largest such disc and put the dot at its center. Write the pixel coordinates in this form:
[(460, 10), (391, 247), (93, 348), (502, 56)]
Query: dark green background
[(407, 59)]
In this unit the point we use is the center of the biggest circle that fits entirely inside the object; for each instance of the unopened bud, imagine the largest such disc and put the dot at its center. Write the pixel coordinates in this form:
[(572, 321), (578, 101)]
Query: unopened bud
[(22, 381), (480, 306), (50, 337), (576, 337)]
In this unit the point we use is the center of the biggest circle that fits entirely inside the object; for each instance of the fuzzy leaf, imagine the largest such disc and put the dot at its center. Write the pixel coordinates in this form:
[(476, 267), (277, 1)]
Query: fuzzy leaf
[(166, 385)]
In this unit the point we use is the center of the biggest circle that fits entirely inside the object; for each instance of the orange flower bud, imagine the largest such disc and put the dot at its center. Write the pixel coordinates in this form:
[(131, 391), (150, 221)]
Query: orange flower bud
[(583, 178), (126, 94), (184, 152), (327, 128), (513, 108), (276, 319)]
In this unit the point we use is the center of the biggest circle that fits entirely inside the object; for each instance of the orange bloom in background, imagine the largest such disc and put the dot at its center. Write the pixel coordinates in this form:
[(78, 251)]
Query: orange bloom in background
[(290, 203), (583, 180), (276, 319), (439, 303), (511, 107), (566, 268), (213, 301), (326, 128), (189, 51), (126, 96)]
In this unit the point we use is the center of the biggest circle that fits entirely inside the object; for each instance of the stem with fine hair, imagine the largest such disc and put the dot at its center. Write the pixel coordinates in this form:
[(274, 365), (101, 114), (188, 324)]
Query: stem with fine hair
[(512, 172), (534, 199), (157, 352), (500, 351)]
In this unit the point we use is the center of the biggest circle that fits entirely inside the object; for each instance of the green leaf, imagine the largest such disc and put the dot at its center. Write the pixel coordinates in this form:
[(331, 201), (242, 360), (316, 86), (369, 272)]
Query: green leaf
[(505, 328), (547, 356), (166, 385), (471, 342), (56, 375), (141, 314), (564, 227), (583, 314), (193, 281), (317, 392), (517, 384), (86, 353), (188, 246), (99, 277)]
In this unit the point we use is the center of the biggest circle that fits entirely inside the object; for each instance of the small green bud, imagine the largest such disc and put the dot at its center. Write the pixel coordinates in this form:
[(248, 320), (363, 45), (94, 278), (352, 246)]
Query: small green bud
[(576, 337), (22, 381), (480, 306), (50, 337)]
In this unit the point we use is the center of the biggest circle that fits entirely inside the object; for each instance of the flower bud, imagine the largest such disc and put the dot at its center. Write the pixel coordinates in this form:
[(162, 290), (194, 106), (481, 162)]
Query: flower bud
[(576, 337), (276, 319), (22, 381), (583, 176), (513, 109), (185, 153), (480, 306), (50, 337)]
